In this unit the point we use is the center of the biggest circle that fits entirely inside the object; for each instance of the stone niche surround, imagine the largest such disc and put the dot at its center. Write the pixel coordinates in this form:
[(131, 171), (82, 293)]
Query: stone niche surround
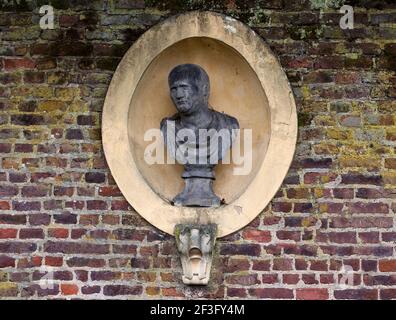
[(247, 82)]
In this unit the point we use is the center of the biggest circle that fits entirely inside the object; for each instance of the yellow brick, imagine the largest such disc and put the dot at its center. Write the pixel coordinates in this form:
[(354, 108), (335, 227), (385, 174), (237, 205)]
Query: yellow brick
[(326, 148), (78, 106), (323, 207), (389, 178), (67, 94), (338, 134), (305, 91), (325, 178), (356, 161), (52, 105), (324, 121), (3, 276), (318, 193), (43, 92), (152, 291), (391, 134), (8, 289), (354, 149)]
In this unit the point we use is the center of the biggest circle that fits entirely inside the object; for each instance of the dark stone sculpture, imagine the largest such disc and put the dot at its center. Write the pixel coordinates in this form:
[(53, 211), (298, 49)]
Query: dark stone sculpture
[(197, 136)]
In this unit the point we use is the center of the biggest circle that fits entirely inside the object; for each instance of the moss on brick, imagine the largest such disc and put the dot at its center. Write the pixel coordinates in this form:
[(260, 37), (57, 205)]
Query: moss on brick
[(57, 4), (16, 5), (304, 119)]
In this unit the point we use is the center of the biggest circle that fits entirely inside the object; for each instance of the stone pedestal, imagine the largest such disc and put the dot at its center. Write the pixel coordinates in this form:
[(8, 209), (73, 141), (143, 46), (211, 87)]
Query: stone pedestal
[(198, 192)]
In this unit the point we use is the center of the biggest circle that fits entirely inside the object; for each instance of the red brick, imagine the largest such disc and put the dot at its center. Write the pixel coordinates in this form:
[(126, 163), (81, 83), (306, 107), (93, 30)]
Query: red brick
[(8, 191), (312, 294), (90, 289), (290, 278), (58, 233), (261, 265), (387, 294), (257, 235), (31, 234), (105, 275), (53, 261), (69, 289), (342, 237), (269, 278), (309, 279), (361, 207), (369, 237), (281, 206), (171, 292), (18, 63), (387, 265), (288, 235), (35, 191), (109, 192), (283, 264), (236, 292), (76, 247), (8, 233), (6, 261), (96, 205), (272, 293), (120, 205), (86, 262)]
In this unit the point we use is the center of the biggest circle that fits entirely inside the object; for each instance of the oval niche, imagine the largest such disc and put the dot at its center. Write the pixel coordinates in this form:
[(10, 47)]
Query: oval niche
[(247, 82)]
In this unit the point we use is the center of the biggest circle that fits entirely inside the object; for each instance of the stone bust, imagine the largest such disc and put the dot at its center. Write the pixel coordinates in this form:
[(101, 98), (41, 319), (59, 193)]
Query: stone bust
[(196, 136)]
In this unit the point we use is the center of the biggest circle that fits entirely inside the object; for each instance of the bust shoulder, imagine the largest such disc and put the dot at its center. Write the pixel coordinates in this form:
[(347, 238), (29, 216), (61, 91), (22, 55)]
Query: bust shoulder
[(163, 124), (226, 121)]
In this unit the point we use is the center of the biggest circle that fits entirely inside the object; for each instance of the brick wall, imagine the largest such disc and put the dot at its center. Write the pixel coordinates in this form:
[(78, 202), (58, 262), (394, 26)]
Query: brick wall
[(61, 211)]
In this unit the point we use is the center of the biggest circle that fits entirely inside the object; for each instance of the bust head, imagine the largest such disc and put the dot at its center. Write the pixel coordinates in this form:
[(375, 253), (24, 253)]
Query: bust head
[(189, 88)]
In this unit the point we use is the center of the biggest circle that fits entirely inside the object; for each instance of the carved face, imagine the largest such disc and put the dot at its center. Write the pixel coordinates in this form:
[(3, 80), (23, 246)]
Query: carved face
[(186, 96)]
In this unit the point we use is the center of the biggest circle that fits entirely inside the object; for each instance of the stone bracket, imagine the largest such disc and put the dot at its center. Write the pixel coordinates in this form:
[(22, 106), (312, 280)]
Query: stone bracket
[(195, 244)]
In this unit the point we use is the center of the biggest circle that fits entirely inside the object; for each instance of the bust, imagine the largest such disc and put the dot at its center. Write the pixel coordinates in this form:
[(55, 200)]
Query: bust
[(196, 136)]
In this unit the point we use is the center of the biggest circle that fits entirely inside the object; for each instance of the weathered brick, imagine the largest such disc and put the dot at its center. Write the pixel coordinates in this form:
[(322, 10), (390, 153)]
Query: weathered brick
[(272, 293), (74, 134), (8, 191), (17, 247), (27, 120), (86, 262), (257, 235), (116, 290), (361, 207), (31, 234), (39, 219), (18, 63), (6, 261), (65, 218), (387, 294), (90, 289), (241, 249), (75, 247), (8, 289), (129, 234), (362, 179), (95, 177), (96, 205)]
